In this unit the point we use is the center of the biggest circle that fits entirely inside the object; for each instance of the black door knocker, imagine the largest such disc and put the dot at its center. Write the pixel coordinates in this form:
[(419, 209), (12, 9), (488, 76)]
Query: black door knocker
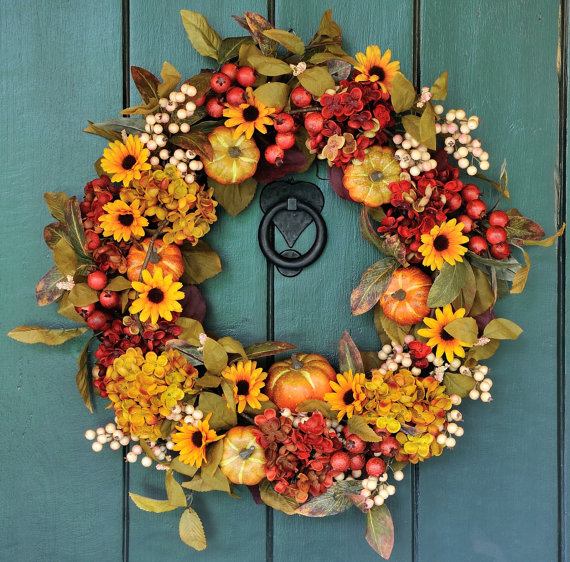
[(291, 207)]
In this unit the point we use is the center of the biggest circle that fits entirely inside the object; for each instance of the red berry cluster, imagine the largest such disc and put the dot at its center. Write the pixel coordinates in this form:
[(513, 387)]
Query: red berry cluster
[(495, 240), (228, 86), (98, 315)]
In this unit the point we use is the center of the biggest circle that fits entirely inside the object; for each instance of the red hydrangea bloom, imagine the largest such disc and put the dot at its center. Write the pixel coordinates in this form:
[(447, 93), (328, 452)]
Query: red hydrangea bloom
[(419, 351)]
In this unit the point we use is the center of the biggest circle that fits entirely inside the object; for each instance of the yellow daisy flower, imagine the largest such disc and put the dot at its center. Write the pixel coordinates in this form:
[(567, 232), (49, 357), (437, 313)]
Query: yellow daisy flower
[(191, 441), (248, 380), (348, 395), (437, 336), (158, 296), (249, 116), (443, 243), (121, 220), (125, 161), (376, 67)]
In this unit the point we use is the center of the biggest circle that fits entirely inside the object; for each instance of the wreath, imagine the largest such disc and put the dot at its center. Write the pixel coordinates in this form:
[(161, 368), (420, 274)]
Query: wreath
[(307, 437)]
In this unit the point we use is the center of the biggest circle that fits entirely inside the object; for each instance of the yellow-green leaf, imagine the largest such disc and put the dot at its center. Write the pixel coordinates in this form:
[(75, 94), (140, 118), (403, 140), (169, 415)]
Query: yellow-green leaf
[(56, 202), (82, 295), (402, 93), (174, 491), (191, 530), (380, 530), (484, 297), (48, 336), (154, 506), (223, 417), (412, 126), (521, 276), (235, 197), (314, 405), (273, 94), (447, 284), (204, 483), (502, 329), (463, 329), (191, 330), (183, 468), (359, 426), (231, 345), (269, 66), (65, 257), (271, 498), (201, 262), (202, 36), (118, 283), (459, 384), (480, 352), (316, 80), (427, 127), (213, 458), (439, 88), (67, 310), (215, 356), (290, 41)]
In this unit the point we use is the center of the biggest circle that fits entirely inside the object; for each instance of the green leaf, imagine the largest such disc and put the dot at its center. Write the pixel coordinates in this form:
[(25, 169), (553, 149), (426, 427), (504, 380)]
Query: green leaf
[(65, 257), (56, 202), (380, 530), (215, 356), (230, 46), (273, 94), (196, 141), (112, 130), (83, 377), (467, 293), (82, 295), (47, 336), (235, 197), (223, 417), (439, 88), (213, 458), (359, 426), (146, 83), (480, 352), (427, 127), (317, 406), (174, 491), (402, 93), (504, 269), (335, 500), (412, 126), (47, 290), (53, 233), (200, 263), (267, 349), (316, 80), (74, 228), (183, 468), (464, 329), (371, 360), (191, 330), (231, 345), (484, 297), (502, 329), (521, 276), (203, 38), (154, 506), (459, 384), (290, 41), (372, 284), (447, 284), (191, 530), (203, 483), (269, 66), (276, 501), (349, 358), (118, 284)]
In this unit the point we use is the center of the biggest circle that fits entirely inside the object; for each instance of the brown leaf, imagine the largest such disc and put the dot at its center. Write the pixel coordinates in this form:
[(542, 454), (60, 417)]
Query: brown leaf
[(48, 336), (46, 289), (349, 357), (256, 24), (83, 377), (380, 530), (267, 349), (201, 262), (146, 83), (196, 141), (372, 284)]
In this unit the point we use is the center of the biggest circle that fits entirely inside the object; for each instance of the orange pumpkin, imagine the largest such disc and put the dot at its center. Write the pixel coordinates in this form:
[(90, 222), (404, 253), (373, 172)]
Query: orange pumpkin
[(167, 257), (243, 459), (303, 377), (405, 298)]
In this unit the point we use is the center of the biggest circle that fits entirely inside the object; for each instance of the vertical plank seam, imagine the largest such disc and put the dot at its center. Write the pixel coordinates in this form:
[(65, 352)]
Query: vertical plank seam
[(125, 62), (561, 274), (415, 469)]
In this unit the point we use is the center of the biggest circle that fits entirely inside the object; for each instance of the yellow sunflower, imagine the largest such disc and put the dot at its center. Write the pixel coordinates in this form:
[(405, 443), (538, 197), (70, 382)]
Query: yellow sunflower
[(125, 161), (121, 220), (191, 441), (437, 336), (248, 380), (158, 296), (249, 116), (443, 243), (375, 67), (348, 395)]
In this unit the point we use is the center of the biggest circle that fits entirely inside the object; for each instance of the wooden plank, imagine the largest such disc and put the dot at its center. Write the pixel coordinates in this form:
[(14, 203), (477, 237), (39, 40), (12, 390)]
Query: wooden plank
[(236, 300), (60, 67), (492, 498), (312, 309)]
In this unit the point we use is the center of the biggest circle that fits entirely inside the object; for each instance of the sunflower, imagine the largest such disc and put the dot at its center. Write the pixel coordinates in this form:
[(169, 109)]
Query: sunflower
[(375, 67), (191, 441), (348, 395), (437, 336), (158, 296), (443, 243), (125, 161), (122, 220), (249, 116), (248, 380)]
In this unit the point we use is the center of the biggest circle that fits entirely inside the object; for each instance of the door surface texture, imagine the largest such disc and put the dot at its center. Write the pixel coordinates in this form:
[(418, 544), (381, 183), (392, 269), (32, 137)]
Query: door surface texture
[(498, 497)]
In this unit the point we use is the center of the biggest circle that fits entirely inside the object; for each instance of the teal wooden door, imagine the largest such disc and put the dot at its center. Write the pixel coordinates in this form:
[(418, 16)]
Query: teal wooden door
[(499, 497)]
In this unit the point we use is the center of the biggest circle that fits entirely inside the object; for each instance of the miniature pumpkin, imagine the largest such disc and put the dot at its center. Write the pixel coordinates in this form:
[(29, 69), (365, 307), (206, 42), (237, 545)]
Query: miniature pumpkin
[(303, 377), (368, 181), (234, 159), (243, 459), (405, 299), (167, 257)]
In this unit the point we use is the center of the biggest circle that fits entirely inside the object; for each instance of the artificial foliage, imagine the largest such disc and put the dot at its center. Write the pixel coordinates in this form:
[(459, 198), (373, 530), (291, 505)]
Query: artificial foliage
[(309, 437)]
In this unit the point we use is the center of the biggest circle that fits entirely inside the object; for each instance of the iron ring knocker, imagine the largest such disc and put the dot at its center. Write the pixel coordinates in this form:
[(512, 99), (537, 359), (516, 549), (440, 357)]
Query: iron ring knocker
[(292, 264)]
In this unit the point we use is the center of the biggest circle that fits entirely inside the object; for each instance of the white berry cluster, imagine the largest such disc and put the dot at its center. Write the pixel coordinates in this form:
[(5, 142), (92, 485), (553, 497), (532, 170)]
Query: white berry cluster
[(395, 356), (109, 434), (459, 142), (185, 412), (413, 156), (483, 384), (376, 490), (176, 109), (446, 437)]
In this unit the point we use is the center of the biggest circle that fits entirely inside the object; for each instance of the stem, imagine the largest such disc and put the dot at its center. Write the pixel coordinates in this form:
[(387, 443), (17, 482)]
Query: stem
[(304, 110), (151, 246), (295, 362)]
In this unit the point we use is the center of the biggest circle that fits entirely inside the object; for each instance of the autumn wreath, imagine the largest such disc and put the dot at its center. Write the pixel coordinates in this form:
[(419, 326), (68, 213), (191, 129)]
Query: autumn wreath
[(308, 437)]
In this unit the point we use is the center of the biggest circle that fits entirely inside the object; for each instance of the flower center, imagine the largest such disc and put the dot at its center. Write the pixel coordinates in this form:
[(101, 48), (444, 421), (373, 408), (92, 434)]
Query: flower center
[(348, 397), (376, 175), (234, 152), (127, 219), (155, 295), (378, 71), (242, 388), (441, 243), (129, 161), (445, 336), (197, 439), (250, 113)]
